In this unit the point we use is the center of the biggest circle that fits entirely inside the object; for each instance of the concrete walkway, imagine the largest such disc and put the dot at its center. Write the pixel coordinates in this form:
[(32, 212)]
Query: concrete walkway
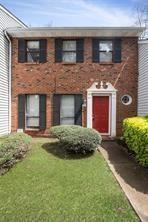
[(132, 178)]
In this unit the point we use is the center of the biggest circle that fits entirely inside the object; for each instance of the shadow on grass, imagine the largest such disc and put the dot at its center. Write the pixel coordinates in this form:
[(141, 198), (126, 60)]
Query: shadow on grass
[(58, 150)]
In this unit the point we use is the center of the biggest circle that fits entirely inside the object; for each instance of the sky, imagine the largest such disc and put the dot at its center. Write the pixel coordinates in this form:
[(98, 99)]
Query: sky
[(74, 12)]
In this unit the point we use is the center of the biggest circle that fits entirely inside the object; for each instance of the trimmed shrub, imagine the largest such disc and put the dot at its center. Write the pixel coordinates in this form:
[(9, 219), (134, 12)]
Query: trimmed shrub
[(76, 138), (135, 132), (13, 148)]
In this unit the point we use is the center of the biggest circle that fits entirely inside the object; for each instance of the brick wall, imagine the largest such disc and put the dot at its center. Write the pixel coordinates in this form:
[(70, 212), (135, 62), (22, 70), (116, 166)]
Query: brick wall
[(51, 77)]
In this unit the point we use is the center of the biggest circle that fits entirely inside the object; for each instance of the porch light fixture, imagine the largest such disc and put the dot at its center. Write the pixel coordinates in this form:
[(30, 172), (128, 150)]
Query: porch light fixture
[(84, 103)]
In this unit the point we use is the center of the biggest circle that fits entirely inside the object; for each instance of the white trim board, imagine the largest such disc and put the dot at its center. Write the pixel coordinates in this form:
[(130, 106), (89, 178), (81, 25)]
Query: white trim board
[(110, 91), (12, 16)]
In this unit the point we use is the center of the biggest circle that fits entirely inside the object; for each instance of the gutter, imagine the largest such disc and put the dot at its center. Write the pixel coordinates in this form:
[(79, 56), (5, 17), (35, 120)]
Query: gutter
[(9, 81)]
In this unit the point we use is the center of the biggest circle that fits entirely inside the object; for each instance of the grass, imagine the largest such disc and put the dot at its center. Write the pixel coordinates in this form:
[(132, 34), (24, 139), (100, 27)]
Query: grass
[(50, 185)]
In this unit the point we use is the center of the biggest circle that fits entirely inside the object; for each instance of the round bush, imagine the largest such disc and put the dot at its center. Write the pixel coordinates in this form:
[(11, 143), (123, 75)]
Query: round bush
[(76, 138), (13, 148)]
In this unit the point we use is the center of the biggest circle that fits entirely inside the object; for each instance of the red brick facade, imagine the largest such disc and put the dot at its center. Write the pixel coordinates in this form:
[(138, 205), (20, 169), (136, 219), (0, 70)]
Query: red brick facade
[(50, 77)]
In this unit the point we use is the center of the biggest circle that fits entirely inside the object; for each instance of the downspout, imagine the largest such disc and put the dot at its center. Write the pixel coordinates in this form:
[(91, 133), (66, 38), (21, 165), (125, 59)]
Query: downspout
[(9, 82)]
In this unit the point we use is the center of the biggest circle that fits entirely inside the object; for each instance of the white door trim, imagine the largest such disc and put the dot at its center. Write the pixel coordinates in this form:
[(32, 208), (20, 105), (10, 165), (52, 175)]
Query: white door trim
[(110, 91)]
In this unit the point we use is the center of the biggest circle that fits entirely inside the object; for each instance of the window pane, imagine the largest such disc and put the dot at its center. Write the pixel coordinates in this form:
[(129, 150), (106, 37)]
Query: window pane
[(32, 111), (32, 56), (67, 110), (32, 51), (32, 105), (33, 44), (105, 46), (69, 45), (105, 56), (67, 121), (32, 122), (69, 57)]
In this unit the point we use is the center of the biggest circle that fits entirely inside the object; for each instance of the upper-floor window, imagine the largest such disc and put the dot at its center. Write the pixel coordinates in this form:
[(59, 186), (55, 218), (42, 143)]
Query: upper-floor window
[(33, 51), (69, 51), (106, 51)]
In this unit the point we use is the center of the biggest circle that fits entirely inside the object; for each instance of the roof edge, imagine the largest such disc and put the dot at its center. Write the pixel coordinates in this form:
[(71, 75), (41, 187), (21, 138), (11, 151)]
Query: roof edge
[(12, 15), (143, 41), (87, 28), (76, 32)]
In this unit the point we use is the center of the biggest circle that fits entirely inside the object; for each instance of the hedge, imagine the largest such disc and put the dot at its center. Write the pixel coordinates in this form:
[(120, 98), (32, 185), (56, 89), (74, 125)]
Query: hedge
[(76, 138), (12, 149), (135, 133)]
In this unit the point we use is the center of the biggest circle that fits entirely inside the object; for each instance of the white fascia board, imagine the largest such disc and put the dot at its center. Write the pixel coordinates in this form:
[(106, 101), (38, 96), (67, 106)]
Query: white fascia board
[(76, 32)]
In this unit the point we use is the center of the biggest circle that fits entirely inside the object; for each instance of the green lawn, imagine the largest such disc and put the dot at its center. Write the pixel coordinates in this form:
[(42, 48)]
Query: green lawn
[(49, 185)]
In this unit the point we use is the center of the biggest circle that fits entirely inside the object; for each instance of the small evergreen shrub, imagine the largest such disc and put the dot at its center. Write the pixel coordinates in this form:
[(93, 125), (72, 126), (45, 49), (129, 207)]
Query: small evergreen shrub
[(76, 138), (135, 132), (13, 148)]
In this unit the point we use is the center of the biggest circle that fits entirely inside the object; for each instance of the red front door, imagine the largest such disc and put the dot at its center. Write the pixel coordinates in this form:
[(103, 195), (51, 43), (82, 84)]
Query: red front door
[(101, 113)]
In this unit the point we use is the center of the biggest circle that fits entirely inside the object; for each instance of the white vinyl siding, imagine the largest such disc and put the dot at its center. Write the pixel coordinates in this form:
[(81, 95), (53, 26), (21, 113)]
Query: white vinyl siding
[(143, 79), (6, 21)]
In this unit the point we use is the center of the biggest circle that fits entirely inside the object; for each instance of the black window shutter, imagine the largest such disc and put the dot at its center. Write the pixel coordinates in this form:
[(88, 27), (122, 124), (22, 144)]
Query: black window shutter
[(21, 111), (80, 50), (43, 51), (117, 50), (58, 50), (56, 109), (21, 50), (42, 108), (95, 50), (78, 109)]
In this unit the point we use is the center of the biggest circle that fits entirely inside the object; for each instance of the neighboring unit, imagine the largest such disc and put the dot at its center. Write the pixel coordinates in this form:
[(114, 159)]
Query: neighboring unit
[(7, 19), (84, 76), (143, 78)]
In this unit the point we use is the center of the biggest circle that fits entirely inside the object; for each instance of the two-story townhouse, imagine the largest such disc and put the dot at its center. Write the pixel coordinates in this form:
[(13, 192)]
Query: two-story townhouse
[(85, 76), (7, 20), (143, 78)]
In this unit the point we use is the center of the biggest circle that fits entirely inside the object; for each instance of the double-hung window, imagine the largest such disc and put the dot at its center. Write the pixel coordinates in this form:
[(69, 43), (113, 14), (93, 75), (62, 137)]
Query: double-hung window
[(69, 51), (106, 51), (32, 111), (67, 110), (33, 51)]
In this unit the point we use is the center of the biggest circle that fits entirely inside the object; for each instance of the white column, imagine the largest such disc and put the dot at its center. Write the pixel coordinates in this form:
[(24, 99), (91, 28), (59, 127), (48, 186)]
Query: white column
[(113, 115)]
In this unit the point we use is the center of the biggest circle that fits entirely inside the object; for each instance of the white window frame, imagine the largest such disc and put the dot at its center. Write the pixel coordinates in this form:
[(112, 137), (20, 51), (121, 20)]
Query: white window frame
[(69, 51), (105, 41), (29, 51), (73, 108), (129, 102), (26, 127)]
